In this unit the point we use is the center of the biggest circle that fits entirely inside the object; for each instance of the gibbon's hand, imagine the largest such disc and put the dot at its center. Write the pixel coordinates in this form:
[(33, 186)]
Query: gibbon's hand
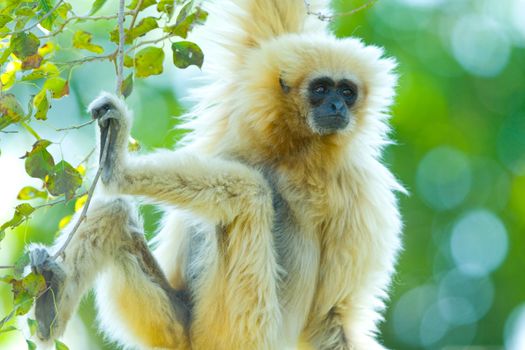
[(114, 126), (46, 304)]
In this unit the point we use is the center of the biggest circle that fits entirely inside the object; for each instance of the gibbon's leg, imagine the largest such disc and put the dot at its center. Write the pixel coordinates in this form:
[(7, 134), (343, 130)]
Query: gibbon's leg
[(111, 240), (236, 304), (329, 334)]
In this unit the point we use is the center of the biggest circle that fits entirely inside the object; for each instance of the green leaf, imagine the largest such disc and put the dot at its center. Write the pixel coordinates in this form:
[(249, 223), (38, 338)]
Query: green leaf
[(149, 61), (59, 87), (5, 55), (4, 19), (97, 5), (167, 7), (60, 346), (25, 209), (186, 20), (30, 192), (82, 40), (46, 7), (22, 212), (32, 325), (41, 103), (24, 45), (46, 70), (20, 265), (30, 345), (39, 162), (145, 4), (186, 53), (127, 86), (10, 110), (128, 61), (64, 179), (63, 10), (144, 26), (8, 329)]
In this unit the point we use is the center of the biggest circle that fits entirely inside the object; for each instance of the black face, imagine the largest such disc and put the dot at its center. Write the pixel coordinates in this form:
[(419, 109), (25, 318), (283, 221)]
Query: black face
[(330, 102)]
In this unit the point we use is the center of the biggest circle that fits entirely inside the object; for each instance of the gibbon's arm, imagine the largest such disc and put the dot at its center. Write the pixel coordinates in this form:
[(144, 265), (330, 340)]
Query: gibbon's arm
[(213, 188)]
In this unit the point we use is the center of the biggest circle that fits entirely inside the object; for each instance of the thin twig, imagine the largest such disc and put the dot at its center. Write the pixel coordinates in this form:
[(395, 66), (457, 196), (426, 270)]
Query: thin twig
[(63, 200), (57, 5), (147, 42), (77, 126), (9, 131), (366, 5), (110, 56), (82, 18), (83, 215), (88, 156), (325, 17), (122, 40), (135, 14), (7, 266)]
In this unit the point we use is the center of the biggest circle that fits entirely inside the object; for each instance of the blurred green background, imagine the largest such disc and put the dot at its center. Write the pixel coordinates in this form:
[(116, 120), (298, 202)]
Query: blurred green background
[(459, 126)]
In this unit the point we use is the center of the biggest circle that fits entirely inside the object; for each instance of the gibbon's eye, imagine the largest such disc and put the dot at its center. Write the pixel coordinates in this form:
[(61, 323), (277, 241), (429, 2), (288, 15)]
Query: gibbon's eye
[(348, 92), (320, 89)]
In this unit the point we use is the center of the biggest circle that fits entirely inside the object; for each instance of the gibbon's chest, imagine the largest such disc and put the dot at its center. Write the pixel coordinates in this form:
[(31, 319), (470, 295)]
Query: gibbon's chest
[(303, 212)]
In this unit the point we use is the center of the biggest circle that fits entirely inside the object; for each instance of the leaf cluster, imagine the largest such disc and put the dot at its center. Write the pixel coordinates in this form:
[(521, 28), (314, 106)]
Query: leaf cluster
[(35, 37)]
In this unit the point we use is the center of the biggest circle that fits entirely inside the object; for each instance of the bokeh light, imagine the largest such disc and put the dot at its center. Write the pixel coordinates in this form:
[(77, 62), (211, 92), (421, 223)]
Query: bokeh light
[(479, 243), (480, 45), (444, 178)]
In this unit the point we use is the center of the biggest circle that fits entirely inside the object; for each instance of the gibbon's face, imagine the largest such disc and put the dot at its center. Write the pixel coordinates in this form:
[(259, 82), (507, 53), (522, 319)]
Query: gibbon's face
[(330, 104)]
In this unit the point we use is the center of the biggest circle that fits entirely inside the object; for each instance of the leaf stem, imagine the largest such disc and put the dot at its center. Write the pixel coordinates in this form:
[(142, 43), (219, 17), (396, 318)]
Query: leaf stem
[(30, 129)]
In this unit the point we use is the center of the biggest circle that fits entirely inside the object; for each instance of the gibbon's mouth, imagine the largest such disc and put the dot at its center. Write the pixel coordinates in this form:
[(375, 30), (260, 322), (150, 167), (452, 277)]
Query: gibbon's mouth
[(331, 123)]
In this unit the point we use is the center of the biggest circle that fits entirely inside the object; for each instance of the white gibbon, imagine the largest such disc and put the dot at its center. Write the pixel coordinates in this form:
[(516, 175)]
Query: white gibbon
[(282, 228)]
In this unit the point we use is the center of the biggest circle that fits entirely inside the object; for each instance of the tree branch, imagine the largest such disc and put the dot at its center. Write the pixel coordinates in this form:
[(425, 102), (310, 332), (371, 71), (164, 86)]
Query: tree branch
[(77, 126), (135, 14), (81, 18), (121, 42), (83, 214)]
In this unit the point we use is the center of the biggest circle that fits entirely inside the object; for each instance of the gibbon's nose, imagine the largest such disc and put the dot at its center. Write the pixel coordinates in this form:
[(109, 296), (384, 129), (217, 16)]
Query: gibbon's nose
[(337, 107)]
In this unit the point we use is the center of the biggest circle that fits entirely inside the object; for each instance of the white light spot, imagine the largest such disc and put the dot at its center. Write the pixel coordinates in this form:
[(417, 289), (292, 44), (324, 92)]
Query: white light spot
[(480, 45), (515, 329), (444, 178), (479, 243)]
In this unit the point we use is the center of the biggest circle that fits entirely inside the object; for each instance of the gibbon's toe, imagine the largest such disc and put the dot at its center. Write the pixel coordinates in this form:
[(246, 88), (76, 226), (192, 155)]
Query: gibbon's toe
[(45, 308)]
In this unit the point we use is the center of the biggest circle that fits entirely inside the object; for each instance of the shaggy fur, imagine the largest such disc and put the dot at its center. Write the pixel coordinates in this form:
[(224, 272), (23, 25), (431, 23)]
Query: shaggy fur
[(276, 236)]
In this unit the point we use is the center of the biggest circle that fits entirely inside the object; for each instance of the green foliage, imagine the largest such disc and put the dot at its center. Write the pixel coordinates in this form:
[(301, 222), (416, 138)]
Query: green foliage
[(186, 53), (41, 44), (82, 40), (149, 61)]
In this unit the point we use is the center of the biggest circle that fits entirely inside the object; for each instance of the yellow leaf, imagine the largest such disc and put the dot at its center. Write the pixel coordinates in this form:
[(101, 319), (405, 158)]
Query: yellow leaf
[(65, 220), (8, 78), (47, 48), (81, 169), (80, 202)]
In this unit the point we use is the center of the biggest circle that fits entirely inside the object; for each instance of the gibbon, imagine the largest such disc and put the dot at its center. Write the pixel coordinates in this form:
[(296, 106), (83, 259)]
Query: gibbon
[(282, 227)]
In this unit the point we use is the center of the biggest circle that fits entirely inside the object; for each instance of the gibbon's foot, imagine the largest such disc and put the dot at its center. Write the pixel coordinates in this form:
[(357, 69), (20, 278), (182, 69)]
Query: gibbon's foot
[(110, 113), (46, 304)]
